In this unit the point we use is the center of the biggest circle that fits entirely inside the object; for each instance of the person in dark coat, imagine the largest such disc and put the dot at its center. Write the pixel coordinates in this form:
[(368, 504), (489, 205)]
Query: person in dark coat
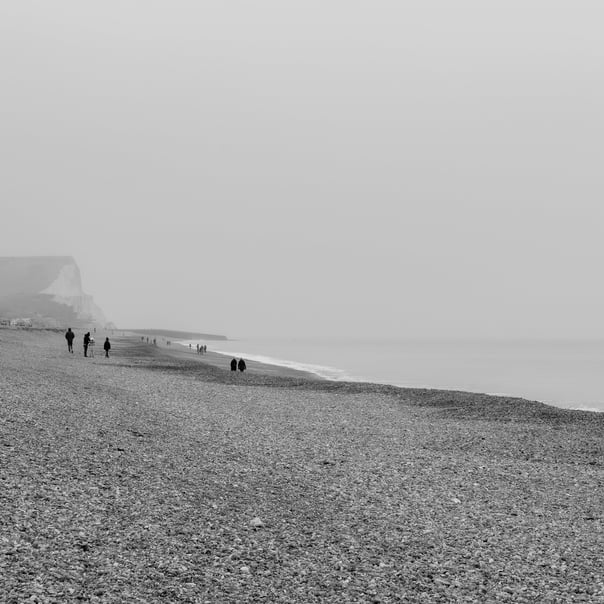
[(69, 336), (242, 366), (234, 365), (107, 347), (86, 343)]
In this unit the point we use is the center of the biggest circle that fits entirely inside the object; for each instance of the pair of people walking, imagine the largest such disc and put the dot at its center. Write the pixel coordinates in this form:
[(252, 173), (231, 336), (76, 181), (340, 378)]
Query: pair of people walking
[(88, 343), (238, 365)]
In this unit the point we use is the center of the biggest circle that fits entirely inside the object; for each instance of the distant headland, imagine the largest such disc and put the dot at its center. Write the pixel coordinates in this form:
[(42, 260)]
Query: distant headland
[(178, 335), (46, 291)]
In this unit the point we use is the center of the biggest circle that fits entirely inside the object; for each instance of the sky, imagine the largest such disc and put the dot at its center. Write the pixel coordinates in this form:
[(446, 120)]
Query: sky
[(283, 167)]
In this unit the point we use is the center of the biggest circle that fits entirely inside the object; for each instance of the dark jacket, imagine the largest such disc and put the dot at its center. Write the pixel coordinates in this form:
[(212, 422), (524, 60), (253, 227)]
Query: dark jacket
[(69, 336), (107, 344)]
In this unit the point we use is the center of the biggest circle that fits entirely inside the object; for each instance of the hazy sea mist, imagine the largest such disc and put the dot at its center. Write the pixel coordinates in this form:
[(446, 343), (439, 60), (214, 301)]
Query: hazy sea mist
[(565, 373)]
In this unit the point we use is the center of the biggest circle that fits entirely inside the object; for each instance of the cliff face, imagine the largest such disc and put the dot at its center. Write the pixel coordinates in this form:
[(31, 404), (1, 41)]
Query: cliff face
[(47, 289)]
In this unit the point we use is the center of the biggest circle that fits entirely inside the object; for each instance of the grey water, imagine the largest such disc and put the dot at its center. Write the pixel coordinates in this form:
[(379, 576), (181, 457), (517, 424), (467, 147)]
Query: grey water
[(564, 373)]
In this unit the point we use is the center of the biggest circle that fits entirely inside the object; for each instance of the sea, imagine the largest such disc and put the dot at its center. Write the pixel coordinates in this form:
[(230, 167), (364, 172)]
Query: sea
[(564, 373)]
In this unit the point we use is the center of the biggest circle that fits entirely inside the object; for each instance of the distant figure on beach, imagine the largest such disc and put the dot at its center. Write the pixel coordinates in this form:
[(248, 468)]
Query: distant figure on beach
[(234, 365), (197, 348), (91, 347), (154, 342), (69, 336), (205, 348), (107, 347), (242, 366), (86, 343)]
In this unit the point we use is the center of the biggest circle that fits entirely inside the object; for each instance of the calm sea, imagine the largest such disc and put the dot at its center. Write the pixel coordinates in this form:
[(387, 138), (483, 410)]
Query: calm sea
[(563, 373)]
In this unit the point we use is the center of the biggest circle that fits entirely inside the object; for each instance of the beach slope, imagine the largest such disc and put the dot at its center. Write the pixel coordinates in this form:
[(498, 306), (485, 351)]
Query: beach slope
[(151, 478)]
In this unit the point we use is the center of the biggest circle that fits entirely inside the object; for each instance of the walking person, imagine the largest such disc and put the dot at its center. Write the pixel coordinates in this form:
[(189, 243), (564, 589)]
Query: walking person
[(234, 365), (69, 336), (242, 366), (86, 343), (91, 347), (107, 347)]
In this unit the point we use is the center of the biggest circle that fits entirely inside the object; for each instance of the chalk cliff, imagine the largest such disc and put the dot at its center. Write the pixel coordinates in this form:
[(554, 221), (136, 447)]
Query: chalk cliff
[(48, 290)]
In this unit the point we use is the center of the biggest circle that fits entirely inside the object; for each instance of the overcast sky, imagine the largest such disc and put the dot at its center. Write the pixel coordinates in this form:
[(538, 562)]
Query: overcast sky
[(427, 168)]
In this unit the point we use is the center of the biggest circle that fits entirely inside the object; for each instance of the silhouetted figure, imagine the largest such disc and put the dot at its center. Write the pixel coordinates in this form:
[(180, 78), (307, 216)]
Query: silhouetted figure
[(242, 366), (69, 336), (86, 343), (107, 347), (234, 365)]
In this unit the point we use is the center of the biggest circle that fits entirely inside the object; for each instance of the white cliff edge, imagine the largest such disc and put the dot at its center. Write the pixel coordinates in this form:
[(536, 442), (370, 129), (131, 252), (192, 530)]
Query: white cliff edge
[(67, 289)]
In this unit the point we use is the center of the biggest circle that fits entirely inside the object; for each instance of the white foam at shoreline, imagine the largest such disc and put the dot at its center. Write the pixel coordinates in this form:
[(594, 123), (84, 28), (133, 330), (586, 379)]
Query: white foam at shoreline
[(323, 371), (329, 373)]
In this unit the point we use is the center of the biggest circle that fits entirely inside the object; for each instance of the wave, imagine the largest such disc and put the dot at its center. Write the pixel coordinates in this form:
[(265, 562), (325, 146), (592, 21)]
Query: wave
[(326, 372), (323, 371)]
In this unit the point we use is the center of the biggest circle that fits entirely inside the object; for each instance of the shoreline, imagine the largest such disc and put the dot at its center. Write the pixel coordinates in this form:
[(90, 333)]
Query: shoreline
[(222, 360), (150, 477), (461, 402), (292, 368)]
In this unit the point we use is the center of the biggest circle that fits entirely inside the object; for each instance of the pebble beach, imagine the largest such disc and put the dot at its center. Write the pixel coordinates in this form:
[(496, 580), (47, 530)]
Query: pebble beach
[(159, 476)]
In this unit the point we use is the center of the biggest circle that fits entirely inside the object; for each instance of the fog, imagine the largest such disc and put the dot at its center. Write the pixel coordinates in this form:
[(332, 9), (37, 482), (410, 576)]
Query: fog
[(406, 169)]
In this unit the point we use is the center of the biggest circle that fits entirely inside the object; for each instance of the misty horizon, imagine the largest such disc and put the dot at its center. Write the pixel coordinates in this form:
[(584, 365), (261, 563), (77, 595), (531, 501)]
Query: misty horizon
[(377, 170)]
